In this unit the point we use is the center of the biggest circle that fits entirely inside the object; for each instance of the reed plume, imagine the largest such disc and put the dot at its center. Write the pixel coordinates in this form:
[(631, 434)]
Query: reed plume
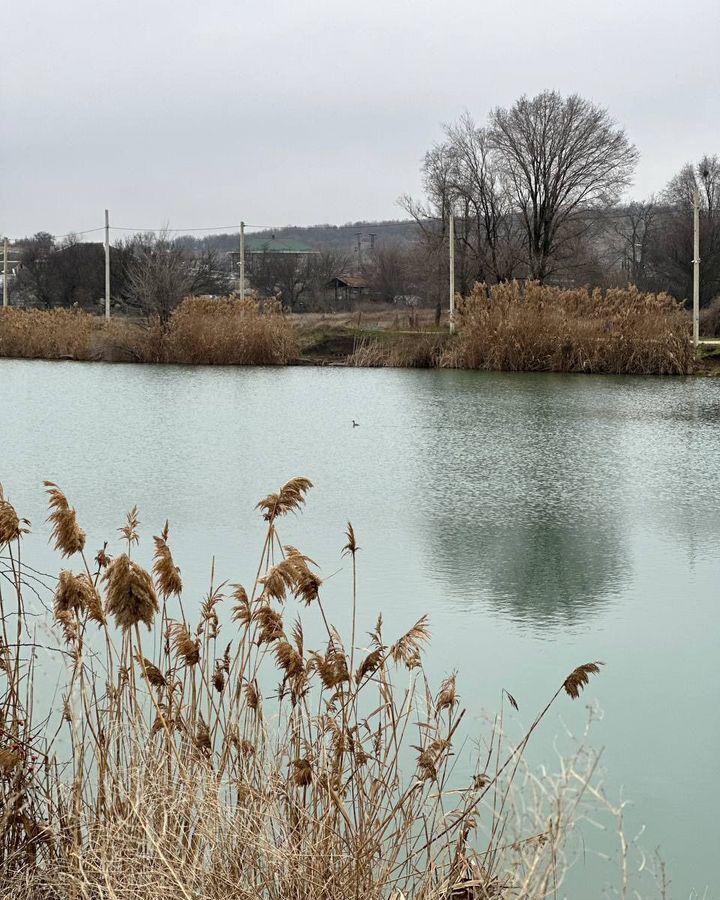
[(77, 592), (407, 647), (68, 535), (579, 678), (289, 498), (242, 612), (185, 645), (12, 526), (270, 623), (131, 595), (150, 672), (167, 574)]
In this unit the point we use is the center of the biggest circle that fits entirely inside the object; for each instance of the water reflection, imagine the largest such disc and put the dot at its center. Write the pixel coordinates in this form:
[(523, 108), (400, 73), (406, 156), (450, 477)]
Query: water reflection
[(537, 572), (524, 498)]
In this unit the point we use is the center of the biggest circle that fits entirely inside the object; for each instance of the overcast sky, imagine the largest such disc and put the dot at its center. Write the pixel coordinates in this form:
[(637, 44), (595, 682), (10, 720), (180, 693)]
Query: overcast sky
[(305, 111)]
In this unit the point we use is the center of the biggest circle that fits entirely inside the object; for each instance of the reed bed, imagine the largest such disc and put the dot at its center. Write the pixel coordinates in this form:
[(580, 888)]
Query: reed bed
[(201, 330), (531, 327), (418, 352), (171, 769)]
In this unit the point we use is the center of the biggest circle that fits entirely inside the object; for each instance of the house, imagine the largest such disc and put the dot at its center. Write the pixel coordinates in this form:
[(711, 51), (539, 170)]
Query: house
[(349, 287)]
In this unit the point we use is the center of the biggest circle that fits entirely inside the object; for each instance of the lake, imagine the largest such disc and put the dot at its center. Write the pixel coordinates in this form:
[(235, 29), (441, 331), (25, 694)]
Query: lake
[(541, 521)]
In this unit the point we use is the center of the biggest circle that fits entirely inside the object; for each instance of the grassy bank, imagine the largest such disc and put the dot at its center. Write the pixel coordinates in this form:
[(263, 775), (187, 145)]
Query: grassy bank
[(508, 327), (222, 753)]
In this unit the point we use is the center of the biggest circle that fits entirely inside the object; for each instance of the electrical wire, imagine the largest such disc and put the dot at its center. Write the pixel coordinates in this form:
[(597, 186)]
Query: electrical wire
[(355, 227)]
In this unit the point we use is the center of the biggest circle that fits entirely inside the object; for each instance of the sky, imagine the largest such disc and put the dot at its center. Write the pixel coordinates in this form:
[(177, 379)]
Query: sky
[(276, 112)]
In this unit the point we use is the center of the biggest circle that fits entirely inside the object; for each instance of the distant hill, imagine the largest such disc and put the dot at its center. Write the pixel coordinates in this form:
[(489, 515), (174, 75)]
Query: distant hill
[(316, 237)]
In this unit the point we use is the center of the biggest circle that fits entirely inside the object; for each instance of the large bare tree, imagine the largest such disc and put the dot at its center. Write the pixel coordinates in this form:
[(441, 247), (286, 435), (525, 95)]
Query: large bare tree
[(488, 225), (161, 273), (563, 156)]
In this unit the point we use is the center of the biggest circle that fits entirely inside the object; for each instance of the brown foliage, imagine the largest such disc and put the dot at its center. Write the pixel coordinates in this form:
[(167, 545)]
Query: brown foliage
[(531, 327), (201, 331)]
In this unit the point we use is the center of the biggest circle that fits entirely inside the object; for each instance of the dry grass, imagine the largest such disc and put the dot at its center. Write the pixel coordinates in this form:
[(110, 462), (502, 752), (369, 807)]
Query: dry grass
[(509, 327), (529, 327), (171, 769), (200, 331), (418, 352)]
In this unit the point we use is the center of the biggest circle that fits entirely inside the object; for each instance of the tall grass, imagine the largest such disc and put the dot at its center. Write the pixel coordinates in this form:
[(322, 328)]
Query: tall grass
[(531, 327), (201, 330), (422, 351), (170, 769)]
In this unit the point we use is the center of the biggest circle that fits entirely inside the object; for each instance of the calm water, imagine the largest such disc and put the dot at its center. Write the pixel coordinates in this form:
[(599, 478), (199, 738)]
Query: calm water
[(541, 521)]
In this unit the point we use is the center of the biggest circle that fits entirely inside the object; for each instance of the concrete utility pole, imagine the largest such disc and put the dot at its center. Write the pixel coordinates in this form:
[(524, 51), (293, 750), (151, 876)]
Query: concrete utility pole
[(242, 260), (107, 264), (452, 272), (5, 273), (696, 268)]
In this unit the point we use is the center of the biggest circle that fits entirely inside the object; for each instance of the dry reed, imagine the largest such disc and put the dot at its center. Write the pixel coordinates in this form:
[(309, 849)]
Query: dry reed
[(531, 327), (183, 776), (204, 331)]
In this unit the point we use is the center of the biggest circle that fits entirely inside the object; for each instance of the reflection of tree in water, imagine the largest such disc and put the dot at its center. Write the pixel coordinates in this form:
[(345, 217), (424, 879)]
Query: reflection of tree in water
[(521, 497), (542, 572)]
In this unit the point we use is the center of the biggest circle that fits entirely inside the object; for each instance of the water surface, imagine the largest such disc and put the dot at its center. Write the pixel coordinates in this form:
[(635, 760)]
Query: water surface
[(541, 521)]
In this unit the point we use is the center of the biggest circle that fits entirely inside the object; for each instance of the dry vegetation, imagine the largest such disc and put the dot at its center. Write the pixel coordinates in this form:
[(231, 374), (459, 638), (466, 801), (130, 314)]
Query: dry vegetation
[(508, 327), (171, 768), (529, 327), (200, 330), (522, 327)]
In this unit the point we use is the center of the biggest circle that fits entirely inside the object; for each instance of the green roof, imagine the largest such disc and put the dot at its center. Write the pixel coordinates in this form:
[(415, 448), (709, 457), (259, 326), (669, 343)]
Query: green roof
[(267, 243)]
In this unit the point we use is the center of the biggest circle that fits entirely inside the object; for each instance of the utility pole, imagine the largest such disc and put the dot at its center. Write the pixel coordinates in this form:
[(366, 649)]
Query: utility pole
[(359, 250), (107, 264), (696, 268), (242, 260), (452, 272), (5, 273)]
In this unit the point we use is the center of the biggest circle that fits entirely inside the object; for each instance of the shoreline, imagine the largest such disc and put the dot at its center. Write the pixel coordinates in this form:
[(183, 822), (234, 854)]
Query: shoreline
[(340, 353)]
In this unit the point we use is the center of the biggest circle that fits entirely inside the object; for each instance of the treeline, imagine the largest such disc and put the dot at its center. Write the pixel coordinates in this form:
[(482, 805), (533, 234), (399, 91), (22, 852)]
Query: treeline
[(535, 195), (150, 274)]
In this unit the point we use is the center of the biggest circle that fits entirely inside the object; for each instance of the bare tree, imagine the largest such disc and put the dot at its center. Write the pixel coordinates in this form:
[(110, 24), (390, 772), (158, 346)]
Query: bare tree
[(161, 273), (390, 271), (487, 222), (562, 156), (671, 248), (286, 275), (634, 234), (158, 275)]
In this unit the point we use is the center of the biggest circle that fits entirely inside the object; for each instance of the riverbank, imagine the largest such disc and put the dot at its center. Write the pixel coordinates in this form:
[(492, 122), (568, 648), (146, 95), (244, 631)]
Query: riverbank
[(509, 327)]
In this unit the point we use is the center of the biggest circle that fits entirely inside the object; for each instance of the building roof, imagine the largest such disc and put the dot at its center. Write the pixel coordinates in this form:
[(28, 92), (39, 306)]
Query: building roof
[(265, 244), (351, 281)]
